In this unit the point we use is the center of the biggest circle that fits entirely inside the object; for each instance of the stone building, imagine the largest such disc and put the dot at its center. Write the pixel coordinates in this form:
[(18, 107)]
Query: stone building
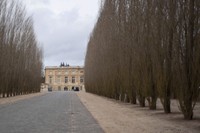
[(64, 77)]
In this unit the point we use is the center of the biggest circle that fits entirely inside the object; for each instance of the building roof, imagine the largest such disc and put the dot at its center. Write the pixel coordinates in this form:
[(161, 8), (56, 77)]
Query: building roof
[(63, 67)]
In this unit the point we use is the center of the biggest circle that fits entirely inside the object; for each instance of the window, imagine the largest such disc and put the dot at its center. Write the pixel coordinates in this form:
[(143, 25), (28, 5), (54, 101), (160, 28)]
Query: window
[(81, 79), (66, 79), (81, 71), (50, 79), (59, 72), (73, 79), (50, 73), (58, 79)]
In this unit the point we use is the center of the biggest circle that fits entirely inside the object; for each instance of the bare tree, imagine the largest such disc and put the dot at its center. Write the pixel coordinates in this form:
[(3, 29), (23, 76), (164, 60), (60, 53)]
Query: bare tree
[(146, 49), (21, 58)]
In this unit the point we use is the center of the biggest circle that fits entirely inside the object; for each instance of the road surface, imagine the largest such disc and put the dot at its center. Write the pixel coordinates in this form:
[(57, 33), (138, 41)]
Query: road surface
[(55, 112)]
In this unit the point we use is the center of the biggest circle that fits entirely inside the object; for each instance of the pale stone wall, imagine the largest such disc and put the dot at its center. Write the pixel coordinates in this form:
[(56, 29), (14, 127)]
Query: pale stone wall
[(60, 77)]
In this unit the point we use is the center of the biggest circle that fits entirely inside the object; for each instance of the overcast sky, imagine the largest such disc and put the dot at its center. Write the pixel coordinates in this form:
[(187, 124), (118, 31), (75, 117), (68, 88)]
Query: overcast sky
[(63, 28)]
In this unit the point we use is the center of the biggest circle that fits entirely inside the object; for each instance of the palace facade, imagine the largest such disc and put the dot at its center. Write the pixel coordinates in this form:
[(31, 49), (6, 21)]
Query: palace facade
[(64, 77)]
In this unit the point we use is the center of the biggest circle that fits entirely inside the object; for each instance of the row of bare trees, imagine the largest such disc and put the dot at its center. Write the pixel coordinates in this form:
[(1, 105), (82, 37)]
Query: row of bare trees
[(20, 56), (145, 50)]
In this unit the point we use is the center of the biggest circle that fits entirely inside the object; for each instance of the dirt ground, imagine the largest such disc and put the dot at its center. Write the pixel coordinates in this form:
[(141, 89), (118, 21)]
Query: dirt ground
[(117, 117), (20, 97)]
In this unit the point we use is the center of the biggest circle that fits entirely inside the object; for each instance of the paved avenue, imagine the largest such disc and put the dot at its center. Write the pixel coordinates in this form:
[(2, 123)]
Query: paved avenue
[(56, 112)]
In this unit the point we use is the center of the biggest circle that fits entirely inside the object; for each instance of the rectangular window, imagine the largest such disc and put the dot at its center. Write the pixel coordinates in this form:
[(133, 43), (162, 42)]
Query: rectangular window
[(58, 79), (66, 79), (73, 79), (50, 79), (81, 79)]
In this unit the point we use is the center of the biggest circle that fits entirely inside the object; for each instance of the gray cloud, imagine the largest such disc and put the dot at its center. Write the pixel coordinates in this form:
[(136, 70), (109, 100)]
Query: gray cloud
[(64, 34)]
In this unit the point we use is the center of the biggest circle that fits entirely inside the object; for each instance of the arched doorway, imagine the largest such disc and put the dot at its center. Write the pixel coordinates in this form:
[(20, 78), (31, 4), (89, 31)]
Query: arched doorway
[(65, 88)]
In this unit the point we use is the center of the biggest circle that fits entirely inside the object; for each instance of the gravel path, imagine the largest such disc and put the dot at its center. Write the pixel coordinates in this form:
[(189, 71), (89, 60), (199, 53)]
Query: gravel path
[(56, 112), (118, 117)]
